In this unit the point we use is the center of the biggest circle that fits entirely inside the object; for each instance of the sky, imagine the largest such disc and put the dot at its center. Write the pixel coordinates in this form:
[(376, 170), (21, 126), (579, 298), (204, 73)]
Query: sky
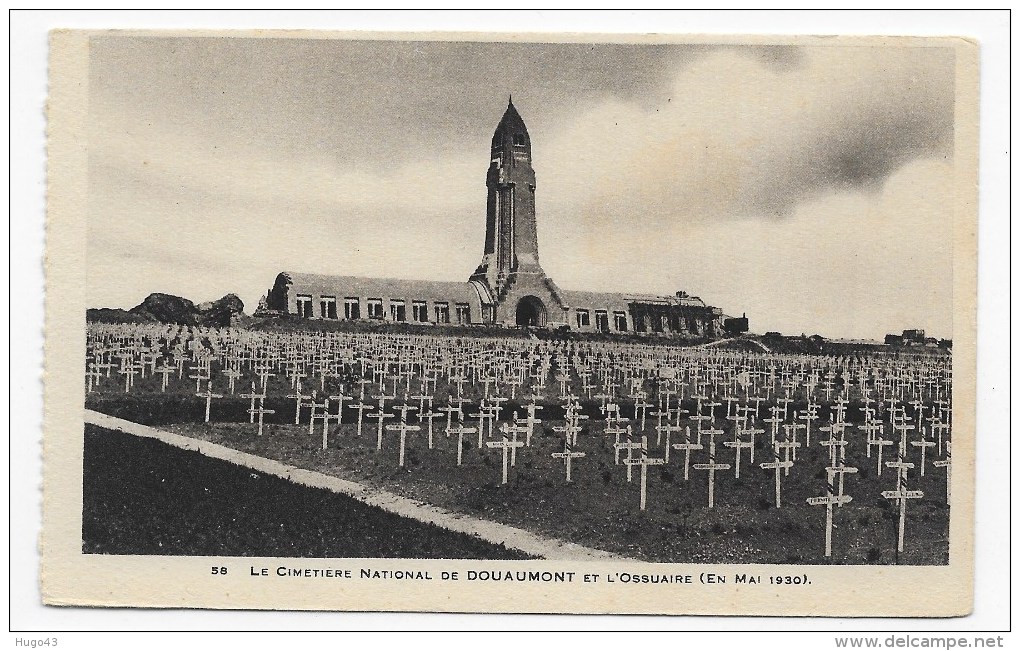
[(809, 187)]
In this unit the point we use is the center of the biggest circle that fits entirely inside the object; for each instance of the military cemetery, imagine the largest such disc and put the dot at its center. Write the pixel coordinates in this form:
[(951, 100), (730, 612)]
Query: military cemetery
[(598, 471), (648, 427)]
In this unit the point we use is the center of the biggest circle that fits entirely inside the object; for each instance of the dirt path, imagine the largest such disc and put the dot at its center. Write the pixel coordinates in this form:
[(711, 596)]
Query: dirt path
[(549, 548)]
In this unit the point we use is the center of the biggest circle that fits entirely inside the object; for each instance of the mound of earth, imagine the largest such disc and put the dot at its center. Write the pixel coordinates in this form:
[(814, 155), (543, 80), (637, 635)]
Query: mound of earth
[(167, 308)]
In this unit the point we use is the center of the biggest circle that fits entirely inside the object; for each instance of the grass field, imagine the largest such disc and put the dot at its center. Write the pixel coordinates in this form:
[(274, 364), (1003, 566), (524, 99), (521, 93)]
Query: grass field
[(600, 509), (145, 497)]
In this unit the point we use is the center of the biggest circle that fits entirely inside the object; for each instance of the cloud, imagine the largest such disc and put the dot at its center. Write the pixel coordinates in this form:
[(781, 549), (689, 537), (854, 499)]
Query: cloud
[(740, 137), (852, 263), (201, 218)]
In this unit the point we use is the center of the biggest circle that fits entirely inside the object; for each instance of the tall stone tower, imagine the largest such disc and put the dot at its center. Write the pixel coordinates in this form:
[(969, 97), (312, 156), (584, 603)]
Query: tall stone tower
[(510, 258)]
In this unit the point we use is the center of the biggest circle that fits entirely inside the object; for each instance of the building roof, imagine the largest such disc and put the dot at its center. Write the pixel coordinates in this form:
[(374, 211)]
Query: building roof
[(341, 286), (511, 123), (621, 301)]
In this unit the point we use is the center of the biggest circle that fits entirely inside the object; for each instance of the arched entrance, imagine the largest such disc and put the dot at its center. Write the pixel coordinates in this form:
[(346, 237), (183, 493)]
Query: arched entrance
[(531, 312)]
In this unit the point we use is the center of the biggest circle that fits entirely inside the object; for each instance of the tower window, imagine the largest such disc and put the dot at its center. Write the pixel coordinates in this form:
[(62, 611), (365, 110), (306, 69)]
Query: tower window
[(463, 313), (519, 141), (304, 306), (583, 318), (602, 320)]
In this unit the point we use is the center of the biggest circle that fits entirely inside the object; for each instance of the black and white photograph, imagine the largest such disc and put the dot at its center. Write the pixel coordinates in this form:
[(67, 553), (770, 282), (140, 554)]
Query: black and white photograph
[(415, 312)]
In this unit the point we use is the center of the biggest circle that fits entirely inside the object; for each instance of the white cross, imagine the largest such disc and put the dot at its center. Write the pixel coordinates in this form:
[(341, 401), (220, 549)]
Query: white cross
[(506, 444), (711, 466), (786, 447), (946, 463), (778, 466), (460, 431), (687, 446), (92, 375), (842, 471), (739, 446), (403, 428), (166, 371), (261, 411), (924, 444), (482, 415), (129, 370), (644, 461), (361, 408), (232, 376), (668, 429), (202, 372), (902, 494), (298, 398), (881, 443), (208, 395), (629, 445), (323, 416), (531, 422), (568, 455), (870, 428), (513, 431), (829, 499), (381, 417), (429, 416), (253, 396)]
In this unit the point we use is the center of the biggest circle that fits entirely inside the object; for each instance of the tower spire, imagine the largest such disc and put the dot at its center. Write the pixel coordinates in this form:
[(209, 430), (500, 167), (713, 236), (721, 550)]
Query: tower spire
[(511, 238)]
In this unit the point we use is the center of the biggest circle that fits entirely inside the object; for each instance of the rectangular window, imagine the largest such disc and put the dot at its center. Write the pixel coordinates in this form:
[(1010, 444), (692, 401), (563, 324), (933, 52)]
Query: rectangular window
[(601, 320), (304, 306), (442, 312), (620, 321), (641, 322), (327, 307), (658, 321), (352, 308), (398, 312), (463, 313), (674, 323), (420, 311), (375, 308), (583, 318)]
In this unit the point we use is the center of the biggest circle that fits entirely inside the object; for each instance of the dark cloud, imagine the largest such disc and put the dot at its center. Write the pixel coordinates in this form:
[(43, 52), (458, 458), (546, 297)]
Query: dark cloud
[(779, 57), (366, 102), (862, 133)]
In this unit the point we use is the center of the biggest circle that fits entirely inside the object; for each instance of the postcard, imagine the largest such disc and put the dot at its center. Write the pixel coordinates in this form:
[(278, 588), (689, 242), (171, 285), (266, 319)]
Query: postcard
[(303, 352)]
